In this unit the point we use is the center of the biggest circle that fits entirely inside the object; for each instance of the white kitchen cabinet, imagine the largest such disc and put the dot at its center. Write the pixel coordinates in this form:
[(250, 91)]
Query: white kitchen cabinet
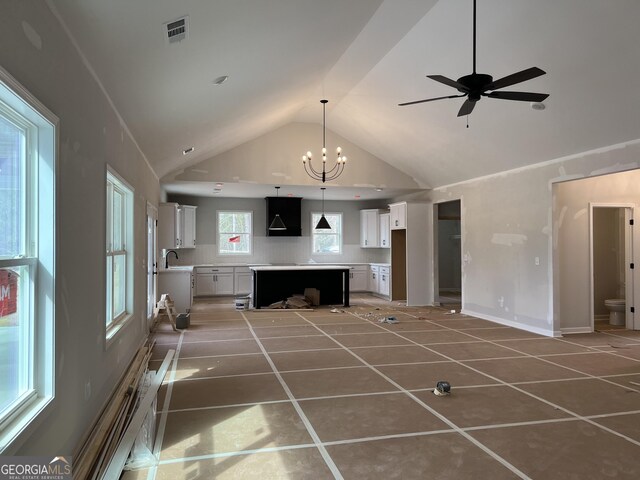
[(398, 215), (176, 226), (214, 281), (243, 281), (385, 233), (179, 285), (374, 279), (358, 278), (369, 229), (187, 225), (385, 281)]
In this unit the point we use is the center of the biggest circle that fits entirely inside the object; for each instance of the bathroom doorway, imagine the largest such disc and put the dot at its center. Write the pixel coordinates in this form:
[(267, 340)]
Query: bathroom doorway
[(611, 240), (448, 253)]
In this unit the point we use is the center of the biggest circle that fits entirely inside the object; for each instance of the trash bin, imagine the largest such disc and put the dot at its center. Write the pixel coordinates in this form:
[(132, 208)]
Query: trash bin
[(182, 321)]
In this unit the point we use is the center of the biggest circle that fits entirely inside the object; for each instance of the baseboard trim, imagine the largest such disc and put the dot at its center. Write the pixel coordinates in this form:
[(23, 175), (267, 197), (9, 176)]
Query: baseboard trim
[(570, 330), (510, 323)]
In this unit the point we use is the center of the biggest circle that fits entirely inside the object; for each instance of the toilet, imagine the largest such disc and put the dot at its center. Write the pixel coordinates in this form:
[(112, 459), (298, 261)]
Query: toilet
[(616, 311)]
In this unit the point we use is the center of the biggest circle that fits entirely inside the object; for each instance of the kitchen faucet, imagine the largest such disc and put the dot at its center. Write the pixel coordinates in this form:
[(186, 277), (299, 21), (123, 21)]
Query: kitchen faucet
[(166, 257)]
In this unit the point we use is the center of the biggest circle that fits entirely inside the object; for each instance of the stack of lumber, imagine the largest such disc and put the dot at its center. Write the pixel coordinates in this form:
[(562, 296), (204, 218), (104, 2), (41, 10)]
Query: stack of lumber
[(103, 437)]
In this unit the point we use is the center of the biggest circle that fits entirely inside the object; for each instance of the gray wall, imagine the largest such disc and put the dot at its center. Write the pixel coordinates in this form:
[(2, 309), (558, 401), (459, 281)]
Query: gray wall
[(277, 249), (90, 136)]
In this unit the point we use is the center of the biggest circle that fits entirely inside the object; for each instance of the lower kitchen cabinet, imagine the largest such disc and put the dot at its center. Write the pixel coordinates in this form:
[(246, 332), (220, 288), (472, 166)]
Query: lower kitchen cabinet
[(358, 279), (243, 281), (385, 281), (179, 285), (214, 281), (374, 279)]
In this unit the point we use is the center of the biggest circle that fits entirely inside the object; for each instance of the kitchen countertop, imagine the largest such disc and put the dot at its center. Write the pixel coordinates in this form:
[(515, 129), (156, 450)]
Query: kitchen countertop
[(315, 266), (189, 268)]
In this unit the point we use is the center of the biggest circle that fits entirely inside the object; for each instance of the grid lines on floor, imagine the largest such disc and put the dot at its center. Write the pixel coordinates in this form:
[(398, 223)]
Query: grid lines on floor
[(287, 395)]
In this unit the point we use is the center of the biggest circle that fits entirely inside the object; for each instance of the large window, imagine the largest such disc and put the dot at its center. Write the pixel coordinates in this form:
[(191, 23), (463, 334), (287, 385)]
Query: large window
[(327, 242), (119, 254), (234, 233), (27, 237)]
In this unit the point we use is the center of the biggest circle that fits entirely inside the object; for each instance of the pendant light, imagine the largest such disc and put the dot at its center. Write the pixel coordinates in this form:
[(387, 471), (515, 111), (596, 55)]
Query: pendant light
[(277, 223), (323, 224)]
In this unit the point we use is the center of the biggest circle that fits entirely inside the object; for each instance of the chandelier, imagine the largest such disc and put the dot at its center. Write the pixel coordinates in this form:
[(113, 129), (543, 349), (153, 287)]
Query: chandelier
[(324, 174)]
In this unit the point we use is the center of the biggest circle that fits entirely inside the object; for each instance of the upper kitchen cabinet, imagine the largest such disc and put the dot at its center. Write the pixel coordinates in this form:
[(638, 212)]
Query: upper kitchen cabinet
[(398, 215), (176, 226), (370, 228), (385, 233)]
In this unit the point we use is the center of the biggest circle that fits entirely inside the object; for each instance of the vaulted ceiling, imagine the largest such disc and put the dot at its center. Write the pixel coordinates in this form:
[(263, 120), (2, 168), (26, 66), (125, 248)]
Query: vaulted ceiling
[(366, 56)]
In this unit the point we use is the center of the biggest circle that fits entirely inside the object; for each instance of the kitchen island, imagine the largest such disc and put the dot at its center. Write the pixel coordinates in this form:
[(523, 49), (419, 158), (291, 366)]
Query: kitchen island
[(275, 283)]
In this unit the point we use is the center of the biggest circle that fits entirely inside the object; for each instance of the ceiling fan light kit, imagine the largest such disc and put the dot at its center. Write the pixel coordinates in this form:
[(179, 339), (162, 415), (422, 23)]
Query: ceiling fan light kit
[(477, 85)]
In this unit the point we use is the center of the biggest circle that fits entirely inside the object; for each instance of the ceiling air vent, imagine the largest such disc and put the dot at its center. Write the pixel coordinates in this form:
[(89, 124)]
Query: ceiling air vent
[(177, 30)]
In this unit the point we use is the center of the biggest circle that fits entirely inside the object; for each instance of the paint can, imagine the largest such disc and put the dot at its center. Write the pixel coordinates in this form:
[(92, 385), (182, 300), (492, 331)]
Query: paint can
[(242, 303)]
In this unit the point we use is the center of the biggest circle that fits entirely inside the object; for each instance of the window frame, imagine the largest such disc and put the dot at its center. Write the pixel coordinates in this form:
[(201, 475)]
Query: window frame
[(37, 256), (315, 233), (249, 234), (114, 182)]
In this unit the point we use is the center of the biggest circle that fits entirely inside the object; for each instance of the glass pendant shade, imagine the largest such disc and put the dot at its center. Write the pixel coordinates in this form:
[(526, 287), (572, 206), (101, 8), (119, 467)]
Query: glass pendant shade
[(277, 223)]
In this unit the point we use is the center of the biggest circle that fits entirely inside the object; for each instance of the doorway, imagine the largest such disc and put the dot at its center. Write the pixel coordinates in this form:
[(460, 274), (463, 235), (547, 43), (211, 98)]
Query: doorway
[(448, 253), (152, 260), (611, 264)]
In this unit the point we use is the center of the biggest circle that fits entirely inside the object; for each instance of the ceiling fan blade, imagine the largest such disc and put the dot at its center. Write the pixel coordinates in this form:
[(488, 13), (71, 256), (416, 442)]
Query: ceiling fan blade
[(514, 78), (430, 100), (449, 82), (467, 108), (521, 96)]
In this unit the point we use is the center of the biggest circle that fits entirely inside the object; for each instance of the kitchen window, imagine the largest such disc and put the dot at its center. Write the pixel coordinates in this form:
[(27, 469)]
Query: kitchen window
[(327, 242), (119, 253), (27, 252), (235, 233)]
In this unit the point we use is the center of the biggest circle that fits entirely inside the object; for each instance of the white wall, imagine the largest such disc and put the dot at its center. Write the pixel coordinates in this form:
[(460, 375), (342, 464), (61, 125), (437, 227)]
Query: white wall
[(513, 218), (35, 50), (277, 249)]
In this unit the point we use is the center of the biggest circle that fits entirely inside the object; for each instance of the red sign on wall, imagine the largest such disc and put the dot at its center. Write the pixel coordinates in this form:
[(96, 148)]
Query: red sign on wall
[(8, 292)]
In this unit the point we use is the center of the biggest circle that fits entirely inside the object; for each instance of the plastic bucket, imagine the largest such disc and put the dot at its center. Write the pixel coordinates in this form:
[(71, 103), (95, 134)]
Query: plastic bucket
[(242, 303)]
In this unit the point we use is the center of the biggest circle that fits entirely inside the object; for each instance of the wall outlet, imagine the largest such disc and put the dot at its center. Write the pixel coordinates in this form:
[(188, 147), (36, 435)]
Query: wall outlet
[(537, 260)]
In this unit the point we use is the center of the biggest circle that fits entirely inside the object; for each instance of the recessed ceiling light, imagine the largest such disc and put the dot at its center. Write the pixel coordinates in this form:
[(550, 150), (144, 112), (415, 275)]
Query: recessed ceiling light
[(378, 189), (187, 151), (219, 184), (221, 79), (538, 105)]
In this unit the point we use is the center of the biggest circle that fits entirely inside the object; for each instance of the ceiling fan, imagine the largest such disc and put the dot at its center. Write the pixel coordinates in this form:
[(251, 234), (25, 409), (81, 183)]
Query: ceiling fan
[(478, 85)]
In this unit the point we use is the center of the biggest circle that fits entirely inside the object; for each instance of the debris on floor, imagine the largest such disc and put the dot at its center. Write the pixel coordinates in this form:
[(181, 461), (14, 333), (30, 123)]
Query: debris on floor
[(294, 302), (389, 319), (442, 389), (335, 310)]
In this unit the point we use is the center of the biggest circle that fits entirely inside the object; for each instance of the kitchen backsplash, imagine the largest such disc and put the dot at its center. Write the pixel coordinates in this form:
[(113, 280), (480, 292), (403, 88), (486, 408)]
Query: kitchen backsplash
[(281, 250)]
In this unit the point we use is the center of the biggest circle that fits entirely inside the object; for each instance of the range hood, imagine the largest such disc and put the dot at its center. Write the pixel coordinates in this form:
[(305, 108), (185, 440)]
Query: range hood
[(289, 209)]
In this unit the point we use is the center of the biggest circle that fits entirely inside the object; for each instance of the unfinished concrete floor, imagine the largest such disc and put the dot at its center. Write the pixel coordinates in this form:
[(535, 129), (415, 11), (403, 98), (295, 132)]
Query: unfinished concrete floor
[(289, 395)]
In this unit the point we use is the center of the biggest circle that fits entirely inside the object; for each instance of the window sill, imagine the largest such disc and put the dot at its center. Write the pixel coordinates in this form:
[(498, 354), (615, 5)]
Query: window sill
[(18, 431), (115, 327)]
